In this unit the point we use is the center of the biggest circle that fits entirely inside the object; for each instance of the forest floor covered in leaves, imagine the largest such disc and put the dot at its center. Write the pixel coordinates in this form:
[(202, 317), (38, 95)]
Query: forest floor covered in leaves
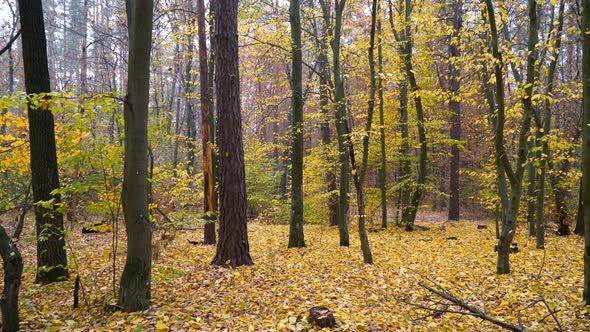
[(277, 292)]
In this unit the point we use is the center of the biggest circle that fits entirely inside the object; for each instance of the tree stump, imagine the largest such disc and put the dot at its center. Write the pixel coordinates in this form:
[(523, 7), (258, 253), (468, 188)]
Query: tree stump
[(322, 317)]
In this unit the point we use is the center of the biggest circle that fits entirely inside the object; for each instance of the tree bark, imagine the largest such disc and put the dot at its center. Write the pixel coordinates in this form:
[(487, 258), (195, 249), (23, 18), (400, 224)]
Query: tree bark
[(586, 145), (13, 269), (510, 199), (207, 120), (324, 99), (296, 236), (51, 254), (233, 247), (383, 165), (455, 108), (135, 288), (409, 214), (341, 118)]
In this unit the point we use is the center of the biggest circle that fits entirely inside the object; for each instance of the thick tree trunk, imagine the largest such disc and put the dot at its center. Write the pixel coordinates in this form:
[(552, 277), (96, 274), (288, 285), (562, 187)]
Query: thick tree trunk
[(13, 269), (296, 236), (455, 108), (207, 120), (51, 254), (233, 247), (135, 289)]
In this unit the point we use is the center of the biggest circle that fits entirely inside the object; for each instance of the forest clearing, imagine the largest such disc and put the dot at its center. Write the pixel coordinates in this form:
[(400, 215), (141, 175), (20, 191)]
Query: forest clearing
[(276, 293)]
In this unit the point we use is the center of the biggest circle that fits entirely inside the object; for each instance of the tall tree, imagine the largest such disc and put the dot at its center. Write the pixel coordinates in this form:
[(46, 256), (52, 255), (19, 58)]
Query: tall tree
[(586, 145), (506, 173), (51, 253), (540, 202), (135, 289), (383, 164), (335, 32), (207, 124), (233, 248), (455, 108), (326, 84), (296, 236)]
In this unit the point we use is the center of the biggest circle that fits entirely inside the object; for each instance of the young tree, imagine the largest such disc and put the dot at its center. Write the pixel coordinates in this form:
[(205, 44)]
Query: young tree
[(586, 145), (410, 203), (334, 33), (233, 248), (207, 123), (135, 289), (455, 107), (51, 253), (506, 173), (296, 236), (383, 164)]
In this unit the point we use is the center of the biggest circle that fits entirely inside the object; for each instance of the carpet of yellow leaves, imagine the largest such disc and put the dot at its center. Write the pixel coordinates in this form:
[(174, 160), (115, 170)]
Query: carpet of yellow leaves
[(188, 294)]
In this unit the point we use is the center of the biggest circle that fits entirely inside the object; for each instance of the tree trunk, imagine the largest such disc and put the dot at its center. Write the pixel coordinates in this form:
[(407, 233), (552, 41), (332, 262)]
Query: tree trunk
[(191, 128), (296, 236), (586, 145), (341, 119), (330, 179), (579, 230), (13, 269), (455, 109), (135, 289), (510, 199), (51, 254), (409, 214), (540, 220), (206, 118), (233, 248), (383, 165)]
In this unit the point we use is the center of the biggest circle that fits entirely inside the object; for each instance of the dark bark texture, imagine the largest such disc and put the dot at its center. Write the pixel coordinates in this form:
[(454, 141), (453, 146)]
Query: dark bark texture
[(13, 269), (296, 236), (233, 248), (135, 289), (51, 253)]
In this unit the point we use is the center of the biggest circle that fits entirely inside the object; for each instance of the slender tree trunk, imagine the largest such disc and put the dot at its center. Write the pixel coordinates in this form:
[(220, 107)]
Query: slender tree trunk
[(324, 79), (206, 118), (233, 248), (191, 129), (51, 254), (296, 236), (560, 205), (532, 187), (341, 119), (383, 165), (586, 145), (455, 108), (510, 200), (135, 289), (409, 214), (13, 269)]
